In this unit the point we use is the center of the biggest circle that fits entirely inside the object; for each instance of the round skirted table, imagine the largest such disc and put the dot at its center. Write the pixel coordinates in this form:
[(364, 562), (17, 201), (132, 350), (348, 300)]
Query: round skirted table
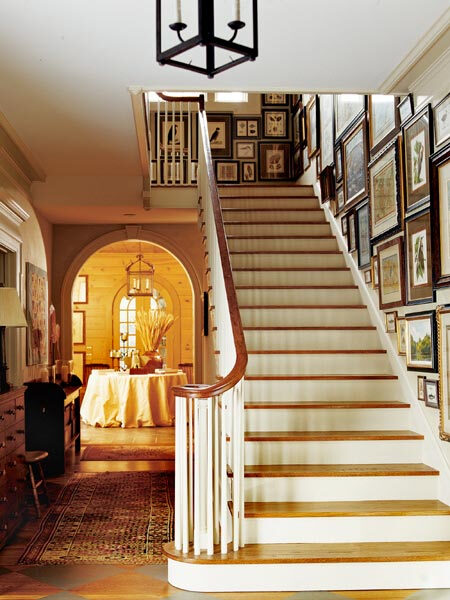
[(115, 399)]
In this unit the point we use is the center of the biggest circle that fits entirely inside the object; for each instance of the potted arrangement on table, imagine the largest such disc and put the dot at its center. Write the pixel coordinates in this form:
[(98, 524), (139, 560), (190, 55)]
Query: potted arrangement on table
[(152, 326)]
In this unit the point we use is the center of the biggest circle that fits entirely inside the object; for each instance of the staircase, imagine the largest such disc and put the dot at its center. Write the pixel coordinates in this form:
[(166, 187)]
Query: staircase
[(336, 494)]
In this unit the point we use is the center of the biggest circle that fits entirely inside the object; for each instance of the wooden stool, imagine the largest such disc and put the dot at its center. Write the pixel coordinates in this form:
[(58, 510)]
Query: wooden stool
[(35, 457)]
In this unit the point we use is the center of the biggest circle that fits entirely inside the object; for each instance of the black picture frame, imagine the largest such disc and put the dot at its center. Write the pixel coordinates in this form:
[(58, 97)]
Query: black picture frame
[(360, 158), (220, 123), (363, 234), (248, 171), (274, 161), (272, 118), (389, 133), (439, 219), (219, 166), (327, 184), (415, 225), (313, 125), (431, 392), (275, 99), (405, 108), (241, 125)]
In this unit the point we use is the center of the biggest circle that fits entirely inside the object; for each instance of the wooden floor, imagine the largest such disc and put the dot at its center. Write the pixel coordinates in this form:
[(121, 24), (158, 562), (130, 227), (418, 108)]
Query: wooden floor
[(100, 582)]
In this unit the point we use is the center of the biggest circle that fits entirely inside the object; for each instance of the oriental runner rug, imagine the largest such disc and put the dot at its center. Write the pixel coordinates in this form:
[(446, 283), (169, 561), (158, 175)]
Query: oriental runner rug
[(106, 518), (122, 452)]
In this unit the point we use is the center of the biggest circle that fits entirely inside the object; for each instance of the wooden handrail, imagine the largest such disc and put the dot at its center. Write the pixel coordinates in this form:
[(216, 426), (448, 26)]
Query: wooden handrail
[(238, 370)]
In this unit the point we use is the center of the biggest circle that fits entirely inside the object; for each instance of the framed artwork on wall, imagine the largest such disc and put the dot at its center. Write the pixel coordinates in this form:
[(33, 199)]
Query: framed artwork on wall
[(173, 132), (326, 129), (297, 163), (385, 197), (406, 108), (440, 214), (375, 274), (441, 113), (219, 130), (354, 163), (306, 161), (421, 387), (245, 149), (391, 274), (248, 172), (363, 235), (340, 200), (419, 266), (338, 161), (443, 331), (275, 99), (417, 146), (297, 128), (368, 276), (274, 160), (313, 125), (401, 336), (247, 127), (275, 123), (420, 341), (36, 314), (227, 171), (384, 121), (344, 226), (390, 321), (431, 389), (351, 232), (347, 109), (327, 184), (80, 290), (78, 327), (318, 165)]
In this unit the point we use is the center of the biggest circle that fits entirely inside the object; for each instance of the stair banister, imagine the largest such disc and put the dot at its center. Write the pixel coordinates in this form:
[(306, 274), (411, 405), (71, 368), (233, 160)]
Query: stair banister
[(209, 421)]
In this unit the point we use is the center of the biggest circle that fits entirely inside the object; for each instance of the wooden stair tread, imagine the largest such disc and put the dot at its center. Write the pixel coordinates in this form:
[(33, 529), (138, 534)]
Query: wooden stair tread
[(315, 306), (277, 237), (339, 470), (331, 436), (321, 223), (320, 553), (307, 328), (332, 377), (375, 351), (308, 252), (296, 287), (356, 508), (276, 208), (321, 269), (321, 404)]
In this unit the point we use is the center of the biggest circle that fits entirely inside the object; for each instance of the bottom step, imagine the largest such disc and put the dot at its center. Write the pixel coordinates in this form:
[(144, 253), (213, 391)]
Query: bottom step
[(307, 567)]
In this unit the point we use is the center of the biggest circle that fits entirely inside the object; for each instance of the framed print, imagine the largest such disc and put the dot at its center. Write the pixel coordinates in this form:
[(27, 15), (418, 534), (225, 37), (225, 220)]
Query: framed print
[(304, 134), (391, 274), (419, 266), (275, 99), (401, 336), (340, 200), (347, 109), (173, 132), (344, 226), (80, 290), (354, 163), (219, 129), (420, 341), (368, 276), (326, 129), (327, 186), (390, 321), (406, 108), (306, 161), (296, 100), (417, 146), (318, 165), (297, 163), (274, 161), (384, 177), (79, 360), (374, 268), (338, 161), (431, 392), (363, 235), (227, 171), (384, 122), (443, 324), (297, 128), (245, 149), (78, 327), (275, 123), (248, 172), (441, 113), (36, 314), (313, 125), (421, 387), (440, 216), (351, 232), (247, 127)]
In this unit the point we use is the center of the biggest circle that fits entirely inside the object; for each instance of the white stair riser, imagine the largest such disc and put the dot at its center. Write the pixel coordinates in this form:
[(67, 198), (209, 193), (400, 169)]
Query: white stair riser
[(335, 489), (325, 419), (317, 364), (310, 390), (298, 296), (271, 216), (303, 317), (340, 452), (308, 577), (282, 261), (275, 203), (261, 192), (326, 339), (280, 278), (279, 230), (316, 530), (249, 244)]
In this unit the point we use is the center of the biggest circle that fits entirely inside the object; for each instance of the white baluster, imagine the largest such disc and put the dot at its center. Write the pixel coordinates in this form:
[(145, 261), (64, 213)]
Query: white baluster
[(216, 441), (224, 479), (191, 473), (209, 483), (196, 477), (178, 485)]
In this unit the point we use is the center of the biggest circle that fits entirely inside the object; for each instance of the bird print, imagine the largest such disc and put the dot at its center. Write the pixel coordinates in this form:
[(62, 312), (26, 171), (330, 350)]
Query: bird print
[(214, 135), (173, 133)]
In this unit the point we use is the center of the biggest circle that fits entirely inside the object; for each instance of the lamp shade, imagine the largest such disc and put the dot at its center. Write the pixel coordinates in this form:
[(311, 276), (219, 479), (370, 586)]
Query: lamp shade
[(11, 311)]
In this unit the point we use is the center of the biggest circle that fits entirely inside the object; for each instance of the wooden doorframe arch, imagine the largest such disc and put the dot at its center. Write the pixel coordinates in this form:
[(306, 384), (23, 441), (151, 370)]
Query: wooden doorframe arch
[(135, 233)]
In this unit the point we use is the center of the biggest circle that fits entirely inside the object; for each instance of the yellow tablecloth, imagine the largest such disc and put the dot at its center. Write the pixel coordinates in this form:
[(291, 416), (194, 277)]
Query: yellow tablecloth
[(122, 400)]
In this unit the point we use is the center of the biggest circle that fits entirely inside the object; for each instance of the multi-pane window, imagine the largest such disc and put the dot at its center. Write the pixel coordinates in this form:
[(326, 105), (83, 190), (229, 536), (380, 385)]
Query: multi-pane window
[(127, 317)]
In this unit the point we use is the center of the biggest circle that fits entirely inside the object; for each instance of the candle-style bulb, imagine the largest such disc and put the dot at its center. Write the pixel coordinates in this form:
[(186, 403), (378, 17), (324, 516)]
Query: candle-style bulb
[(237, 10), (179, 11)]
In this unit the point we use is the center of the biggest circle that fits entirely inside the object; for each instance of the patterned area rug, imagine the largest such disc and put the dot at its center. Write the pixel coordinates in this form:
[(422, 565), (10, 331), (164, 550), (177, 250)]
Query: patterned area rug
[(118, 452), (106, 518)]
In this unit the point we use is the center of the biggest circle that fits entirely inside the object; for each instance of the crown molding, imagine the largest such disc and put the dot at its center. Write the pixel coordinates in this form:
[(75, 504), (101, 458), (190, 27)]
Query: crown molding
[(13, 212), (437, 74), (391, 84), (35, 171)]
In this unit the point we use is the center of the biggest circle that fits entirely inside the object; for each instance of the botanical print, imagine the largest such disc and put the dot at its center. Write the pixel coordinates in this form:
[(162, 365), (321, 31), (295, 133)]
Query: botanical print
[(217, 135), (420, 259), (418, 158), (275, 123), (275, 161), (78, 327), (391, 322), (420, 349), (252, 128), (405, 109), (248, 171), (442, 121), (420, 387), (447, 371), (241, 129), (384, 193), (36, 315), (348, 107), (382, 116), (326, 138), (355, 165), (390, 274), (448, 215), (401, 336), (247, 128), (274, 98)]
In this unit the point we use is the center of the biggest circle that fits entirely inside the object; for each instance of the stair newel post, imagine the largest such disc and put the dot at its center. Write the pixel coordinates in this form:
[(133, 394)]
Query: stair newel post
[(191, 469), (184, 477), (181, 477), (196, 477), (178, 487)]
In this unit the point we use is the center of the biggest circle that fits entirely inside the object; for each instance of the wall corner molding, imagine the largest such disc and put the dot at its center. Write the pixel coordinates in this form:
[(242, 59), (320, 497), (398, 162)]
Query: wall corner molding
[(13, 212)]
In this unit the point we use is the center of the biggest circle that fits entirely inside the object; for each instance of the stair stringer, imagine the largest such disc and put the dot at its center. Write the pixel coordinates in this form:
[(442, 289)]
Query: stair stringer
[(432, 453)]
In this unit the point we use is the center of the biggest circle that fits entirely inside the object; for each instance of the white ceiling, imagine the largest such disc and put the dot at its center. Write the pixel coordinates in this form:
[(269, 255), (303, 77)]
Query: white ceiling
[(65, 66)]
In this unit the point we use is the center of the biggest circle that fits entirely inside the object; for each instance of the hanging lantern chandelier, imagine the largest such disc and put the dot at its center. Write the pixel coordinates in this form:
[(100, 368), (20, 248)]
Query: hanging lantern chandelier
[(140, 276), (205, 36)]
